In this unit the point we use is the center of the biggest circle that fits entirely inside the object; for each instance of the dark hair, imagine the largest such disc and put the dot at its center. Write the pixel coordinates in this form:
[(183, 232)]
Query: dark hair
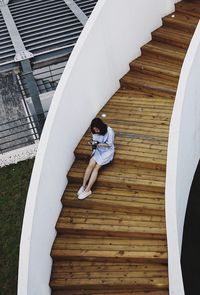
[(98, 123)]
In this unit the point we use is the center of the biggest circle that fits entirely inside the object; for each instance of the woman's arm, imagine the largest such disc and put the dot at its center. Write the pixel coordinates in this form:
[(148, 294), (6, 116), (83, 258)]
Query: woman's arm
[(110, 139), (103, 145)]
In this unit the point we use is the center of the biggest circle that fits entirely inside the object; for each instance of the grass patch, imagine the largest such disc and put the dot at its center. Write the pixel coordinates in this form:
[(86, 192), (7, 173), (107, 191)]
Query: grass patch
[(14, 182)]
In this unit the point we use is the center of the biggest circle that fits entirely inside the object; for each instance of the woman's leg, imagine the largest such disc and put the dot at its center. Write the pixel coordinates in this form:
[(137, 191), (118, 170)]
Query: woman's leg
[(88, 171), (93, 177)]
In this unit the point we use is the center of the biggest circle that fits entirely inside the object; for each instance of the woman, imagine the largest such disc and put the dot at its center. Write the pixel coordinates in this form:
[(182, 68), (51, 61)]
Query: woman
[(103, 153)]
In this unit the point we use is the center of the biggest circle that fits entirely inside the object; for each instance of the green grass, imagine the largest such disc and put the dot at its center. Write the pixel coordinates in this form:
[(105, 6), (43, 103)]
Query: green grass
[(14, 182)]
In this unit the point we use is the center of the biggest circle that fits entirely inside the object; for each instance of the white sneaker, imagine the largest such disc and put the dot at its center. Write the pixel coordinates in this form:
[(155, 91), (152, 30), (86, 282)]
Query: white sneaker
[(81, 190), (84, 195)]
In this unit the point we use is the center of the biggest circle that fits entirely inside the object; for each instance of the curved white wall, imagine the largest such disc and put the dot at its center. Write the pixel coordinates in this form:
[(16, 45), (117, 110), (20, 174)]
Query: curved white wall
[(183, 157), (111, 38)]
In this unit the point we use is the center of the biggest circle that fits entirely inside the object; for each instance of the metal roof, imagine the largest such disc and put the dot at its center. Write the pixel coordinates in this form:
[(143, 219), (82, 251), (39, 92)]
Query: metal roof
[(48, 29)]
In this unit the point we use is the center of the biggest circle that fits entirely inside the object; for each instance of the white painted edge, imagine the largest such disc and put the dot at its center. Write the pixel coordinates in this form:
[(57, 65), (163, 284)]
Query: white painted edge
[(172, 220), (26, 236), (18, 155)]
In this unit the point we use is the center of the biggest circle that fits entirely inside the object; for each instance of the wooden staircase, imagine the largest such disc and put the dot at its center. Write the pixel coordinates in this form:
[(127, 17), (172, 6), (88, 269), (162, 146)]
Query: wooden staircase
[(114, 242)]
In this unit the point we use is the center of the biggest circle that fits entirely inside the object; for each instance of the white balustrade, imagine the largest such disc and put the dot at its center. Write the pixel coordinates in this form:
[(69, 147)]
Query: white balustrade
[(111, 38), (183, 157)]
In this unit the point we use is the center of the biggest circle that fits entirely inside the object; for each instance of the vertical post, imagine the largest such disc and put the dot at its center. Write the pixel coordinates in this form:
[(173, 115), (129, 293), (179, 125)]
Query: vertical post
[(39, 117)]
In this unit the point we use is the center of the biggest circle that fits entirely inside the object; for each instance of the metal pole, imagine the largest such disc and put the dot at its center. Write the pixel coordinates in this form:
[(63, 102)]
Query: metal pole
[(34, 93)]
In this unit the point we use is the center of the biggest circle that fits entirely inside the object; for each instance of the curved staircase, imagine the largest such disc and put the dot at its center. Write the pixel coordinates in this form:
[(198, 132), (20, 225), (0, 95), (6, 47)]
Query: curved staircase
[(114, 242)]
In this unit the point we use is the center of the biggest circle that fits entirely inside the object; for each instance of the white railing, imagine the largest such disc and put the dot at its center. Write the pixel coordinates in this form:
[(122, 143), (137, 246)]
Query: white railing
[(111, 38), (183, 157)]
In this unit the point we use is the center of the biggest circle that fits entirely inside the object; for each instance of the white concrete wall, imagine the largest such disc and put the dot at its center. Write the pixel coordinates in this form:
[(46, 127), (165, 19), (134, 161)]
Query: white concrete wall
[(183, 157), (110, 40)]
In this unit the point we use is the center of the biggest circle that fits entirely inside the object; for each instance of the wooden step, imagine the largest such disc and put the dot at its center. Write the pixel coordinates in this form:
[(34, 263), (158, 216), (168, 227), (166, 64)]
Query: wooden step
[(137, 130), (148, 83), (138, 149), (172, 37), (124, 201), (106, 276), (153, 66), (108, 292), (164, 51), (131, 112), (135, 105), (181, 21), (109, 249), (152, 131), (136, 97), (110, 223), (120, 176), (191, 8)]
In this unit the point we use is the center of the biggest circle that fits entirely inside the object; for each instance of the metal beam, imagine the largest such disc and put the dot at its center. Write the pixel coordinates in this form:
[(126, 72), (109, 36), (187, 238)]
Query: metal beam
[(4, 2), (23, 56), (77, 11)]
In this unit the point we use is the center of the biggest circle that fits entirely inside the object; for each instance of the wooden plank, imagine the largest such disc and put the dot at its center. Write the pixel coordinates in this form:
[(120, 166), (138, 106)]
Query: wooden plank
[(128, 97), (164, 51), (172, 36), (156, 67), (107, 292), (122, 201), (153, 203), (112, 256), (131, 97), (76, 266), (181, 21), (148, 83), (133, 181), (120, 173), (126, 283), (135, 95), (190, 8), (69, 244), (116, 193), (108, 241), (122, 148), (133, 114), (124, 139), (126, 207), (111, 230), (112, 214), (127, 152), (131, 158), (126, 220), (110, 275)]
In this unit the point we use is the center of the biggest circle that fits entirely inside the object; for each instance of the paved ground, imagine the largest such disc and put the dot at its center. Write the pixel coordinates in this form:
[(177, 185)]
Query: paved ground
[(191, 240)]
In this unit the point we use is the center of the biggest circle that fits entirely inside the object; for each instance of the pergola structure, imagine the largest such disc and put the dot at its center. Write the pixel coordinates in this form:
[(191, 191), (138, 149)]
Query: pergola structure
[(36, 39)]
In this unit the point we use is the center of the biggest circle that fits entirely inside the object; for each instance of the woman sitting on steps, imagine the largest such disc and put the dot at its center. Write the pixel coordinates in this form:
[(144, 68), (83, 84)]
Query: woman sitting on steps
[(103, 153)]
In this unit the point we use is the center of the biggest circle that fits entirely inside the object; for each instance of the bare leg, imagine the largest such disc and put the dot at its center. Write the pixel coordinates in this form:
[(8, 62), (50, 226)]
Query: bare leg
[(88, 171), (93, 177)]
